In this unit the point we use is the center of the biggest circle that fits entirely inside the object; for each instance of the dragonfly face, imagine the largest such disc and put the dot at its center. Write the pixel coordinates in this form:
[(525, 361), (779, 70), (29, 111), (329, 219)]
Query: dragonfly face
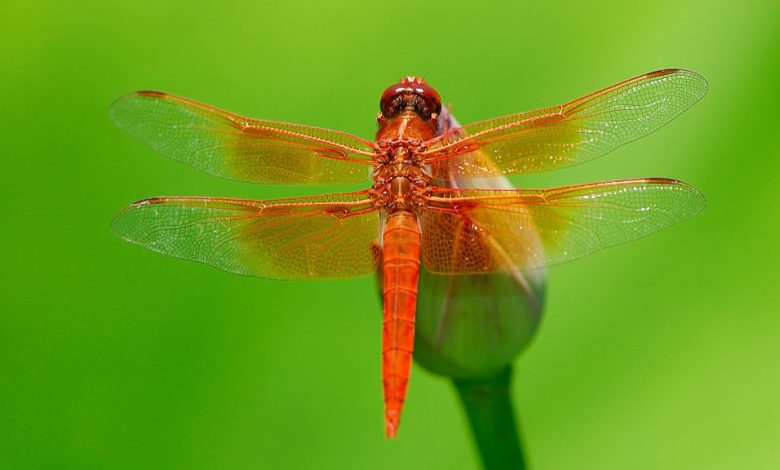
[(411, 94), (443, 229)]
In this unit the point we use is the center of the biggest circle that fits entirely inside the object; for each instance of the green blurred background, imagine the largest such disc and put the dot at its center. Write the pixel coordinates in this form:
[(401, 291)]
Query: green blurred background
[(662, 353)]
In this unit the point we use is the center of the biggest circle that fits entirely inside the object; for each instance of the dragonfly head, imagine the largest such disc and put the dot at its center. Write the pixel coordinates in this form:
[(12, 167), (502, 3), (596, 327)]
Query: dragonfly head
[(411, 93)]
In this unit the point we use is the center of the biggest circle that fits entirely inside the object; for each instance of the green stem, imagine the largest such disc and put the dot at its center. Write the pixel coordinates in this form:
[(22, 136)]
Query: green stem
[(489, 408)]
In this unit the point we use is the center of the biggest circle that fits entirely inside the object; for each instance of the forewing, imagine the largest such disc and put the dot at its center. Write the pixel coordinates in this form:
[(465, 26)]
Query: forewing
[(236, 147), (572, 133), (314, 237), (477, 231)]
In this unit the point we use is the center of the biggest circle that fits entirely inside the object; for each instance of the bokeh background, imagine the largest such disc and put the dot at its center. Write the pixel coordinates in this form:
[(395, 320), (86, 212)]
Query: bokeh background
[(662, 353)]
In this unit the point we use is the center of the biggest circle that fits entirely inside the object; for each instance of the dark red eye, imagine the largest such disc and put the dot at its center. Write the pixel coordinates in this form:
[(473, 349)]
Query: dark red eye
[(411, 92)]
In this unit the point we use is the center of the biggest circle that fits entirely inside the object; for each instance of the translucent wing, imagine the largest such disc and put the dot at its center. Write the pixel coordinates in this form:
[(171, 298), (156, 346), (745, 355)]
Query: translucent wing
[(312, 237), (572, 133), (236, 147), (476, 231)]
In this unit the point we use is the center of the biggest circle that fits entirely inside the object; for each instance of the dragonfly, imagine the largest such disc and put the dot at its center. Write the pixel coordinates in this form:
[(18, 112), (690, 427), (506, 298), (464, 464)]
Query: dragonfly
[(410, 217)]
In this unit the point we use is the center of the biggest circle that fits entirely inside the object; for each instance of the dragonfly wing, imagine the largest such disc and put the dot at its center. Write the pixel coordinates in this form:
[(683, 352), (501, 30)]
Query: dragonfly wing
[(236, 147), (314, 237), (568, 134), (478, 231)]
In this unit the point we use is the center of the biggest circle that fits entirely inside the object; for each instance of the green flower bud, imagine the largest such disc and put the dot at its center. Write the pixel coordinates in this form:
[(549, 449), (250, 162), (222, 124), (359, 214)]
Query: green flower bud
[(474, 325)]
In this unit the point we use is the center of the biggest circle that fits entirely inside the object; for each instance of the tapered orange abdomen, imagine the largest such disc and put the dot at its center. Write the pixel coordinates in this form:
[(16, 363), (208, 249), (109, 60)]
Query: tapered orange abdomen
[(401, 267)]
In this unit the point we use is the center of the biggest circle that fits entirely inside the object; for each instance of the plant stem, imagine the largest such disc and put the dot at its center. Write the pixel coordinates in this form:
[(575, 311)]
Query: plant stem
[(489, 408)]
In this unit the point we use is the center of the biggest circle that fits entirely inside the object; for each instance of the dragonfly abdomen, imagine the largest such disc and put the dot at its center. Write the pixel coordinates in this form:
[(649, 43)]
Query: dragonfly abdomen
[(401, 268)]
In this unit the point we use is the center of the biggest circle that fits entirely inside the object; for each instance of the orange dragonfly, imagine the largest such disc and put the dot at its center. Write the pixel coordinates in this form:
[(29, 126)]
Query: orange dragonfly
[(410, 214)]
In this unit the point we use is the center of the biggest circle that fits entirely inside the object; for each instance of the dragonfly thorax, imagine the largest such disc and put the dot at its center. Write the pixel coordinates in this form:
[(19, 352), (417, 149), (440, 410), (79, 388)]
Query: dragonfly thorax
[(400, 180)]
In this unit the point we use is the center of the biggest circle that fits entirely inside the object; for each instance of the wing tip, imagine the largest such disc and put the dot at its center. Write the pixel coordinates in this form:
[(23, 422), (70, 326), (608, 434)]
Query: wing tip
[(699, 91), (117, 106), (702, 82), (117, 221), (118, 226), (696, 201), (699, 202)]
